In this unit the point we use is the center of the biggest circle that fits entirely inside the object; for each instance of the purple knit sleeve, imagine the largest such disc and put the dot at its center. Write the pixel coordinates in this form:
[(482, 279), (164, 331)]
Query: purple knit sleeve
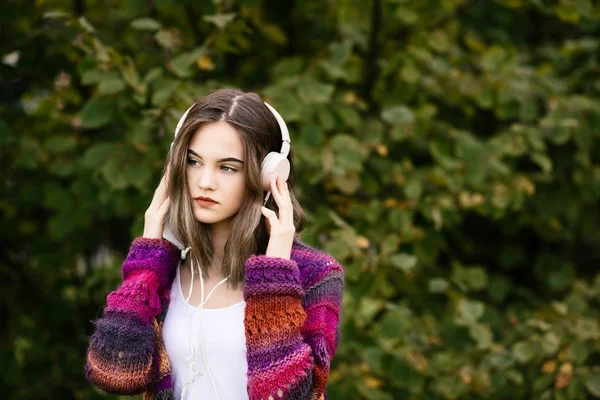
[(292, 323), (121, 356)]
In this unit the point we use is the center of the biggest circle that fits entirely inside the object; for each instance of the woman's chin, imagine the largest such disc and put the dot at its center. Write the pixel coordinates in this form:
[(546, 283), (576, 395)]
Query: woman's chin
[(206, 219)]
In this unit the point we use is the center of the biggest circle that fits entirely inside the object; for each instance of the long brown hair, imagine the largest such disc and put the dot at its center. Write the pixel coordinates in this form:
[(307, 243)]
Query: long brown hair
[(260, 134)]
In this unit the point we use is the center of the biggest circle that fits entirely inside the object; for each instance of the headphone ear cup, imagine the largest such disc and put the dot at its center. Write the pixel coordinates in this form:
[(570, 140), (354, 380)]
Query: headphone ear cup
[(273, 164)]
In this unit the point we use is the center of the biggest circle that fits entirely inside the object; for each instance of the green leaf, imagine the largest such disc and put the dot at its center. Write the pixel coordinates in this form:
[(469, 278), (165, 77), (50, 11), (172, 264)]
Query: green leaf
[(167, 39), (410, 73), (438, 285), (592, 383), (550, 343), (285, 102), (369, 307), (499, 288), (567, 13), (55, 14), (474, 277), (8, 137), (482, 334), (164, 90), (312, 91), (287, 67), (441, 151), (97, 112), (543, 161), (469, 311), (113, 173), (348, 155), (59, 226), (413, 189), (450, 387), (514, 376), (470, 149), (340, 52), (395, 322), (138, 174), (389, 244), (403, 261), (523, 351), (347, 183), (586, 328), (57, 198), (349, 116), (111, 86), (95, 156), (373, 394), (59, 144), (398, 115), (578, 352), (274, 33), (92, 76), (84, 23), (220, 20), (326, 119), (146, 24), (372, 357)]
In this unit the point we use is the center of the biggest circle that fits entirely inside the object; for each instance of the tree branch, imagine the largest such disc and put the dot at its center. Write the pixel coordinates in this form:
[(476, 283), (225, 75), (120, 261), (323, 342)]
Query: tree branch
[(192, 17), (370, 61), (79, 7)]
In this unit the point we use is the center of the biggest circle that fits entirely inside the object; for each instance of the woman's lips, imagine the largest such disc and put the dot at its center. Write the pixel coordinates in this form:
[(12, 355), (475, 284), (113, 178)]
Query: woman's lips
[(205, 203)]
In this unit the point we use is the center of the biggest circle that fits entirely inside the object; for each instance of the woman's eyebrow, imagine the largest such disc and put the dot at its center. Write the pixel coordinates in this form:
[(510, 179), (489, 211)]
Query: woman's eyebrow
[(233, 159)]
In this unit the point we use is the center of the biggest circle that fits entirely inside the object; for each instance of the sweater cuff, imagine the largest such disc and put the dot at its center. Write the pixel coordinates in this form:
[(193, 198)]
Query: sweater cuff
[(157, 255), (272, 276)]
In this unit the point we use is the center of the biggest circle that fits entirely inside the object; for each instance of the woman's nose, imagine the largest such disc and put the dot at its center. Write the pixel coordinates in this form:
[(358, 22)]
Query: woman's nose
[(206, 180)]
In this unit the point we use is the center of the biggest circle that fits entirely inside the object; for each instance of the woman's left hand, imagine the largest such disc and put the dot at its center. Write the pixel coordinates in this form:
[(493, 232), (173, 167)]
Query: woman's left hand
[(281, 229)]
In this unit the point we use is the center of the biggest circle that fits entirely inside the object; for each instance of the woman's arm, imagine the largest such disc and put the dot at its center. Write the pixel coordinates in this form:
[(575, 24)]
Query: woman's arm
[(292, 333), (121, 354)]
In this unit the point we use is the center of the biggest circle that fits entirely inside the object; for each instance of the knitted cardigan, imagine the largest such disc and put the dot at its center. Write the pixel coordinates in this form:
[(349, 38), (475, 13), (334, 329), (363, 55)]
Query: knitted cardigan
[(291, 322)]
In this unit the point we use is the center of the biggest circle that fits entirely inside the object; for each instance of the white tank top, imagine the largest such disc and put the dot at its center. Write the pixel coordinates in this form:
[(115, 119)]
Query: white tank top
[(224, 343)]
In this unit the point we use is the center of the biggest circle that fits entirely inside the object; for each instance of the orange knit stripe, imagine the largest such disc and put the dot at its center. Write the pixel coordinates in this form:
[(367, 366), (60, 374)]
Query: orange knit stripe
[(281, 316), (115, 380)]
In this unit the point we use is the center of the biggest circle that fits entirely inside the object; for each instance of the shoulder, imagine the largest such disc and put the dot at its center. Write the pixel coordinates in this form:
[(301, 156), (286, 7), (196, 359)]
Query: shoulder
[(313, 263)]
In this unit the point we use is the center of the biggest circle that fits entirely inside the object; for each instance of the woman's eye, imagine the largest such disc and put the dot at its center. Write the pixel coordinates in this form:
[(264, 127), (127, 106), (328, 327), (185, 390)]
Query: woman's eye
[(225, 168)]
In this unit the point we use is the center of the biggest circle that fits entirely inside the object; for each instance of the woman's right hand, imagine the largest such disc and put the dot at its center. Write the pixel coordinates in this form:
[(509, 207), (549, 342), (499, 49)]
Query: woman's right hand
[(154, 218)]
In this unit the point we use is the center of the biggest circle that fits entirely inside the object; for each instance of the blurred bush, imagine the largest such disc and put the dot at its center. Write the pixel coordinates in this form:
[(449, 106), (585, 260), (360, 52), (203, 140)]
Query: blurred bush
[(448, 153)]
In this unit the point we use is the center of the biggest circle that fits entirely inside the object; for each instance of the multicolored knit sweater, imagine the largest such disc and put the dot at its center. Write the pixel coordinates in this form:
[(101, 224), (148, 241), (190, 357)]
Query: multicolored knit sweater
[(291, 322)]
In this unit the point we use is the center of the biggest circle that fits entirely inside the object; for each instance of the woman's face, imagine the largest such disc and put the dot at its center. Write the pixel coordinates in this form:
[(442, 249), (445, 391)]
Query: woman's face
[(215, 169)]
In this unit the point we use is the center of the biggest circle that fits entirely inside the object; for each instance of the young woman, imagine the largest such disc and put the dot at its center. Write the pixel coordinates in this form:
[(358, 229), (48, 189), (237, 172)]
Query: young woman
[(269, 326)]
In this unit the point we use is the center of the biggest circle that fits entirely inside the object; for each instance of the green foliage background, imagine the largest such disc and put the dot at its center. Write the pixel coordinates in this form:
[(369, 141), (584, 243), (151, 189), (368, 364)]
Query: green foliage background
[(448, 153)]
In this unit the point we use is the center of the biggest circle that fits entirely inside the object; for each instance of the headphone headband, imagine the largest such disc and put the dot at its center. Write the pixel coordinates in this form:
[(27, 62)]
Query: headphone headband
[(285, 135)]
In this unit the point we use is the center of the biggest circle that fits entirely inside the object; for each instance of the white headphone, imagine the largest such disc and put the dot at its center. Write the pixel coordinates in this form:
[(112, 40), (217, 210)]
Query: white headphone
[(274, 163)]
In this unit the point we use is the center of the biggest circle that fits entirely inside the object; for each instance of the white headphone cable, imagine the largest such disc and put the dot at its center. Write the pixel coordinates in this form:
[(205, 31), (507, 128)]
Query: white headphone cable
[(200, 308)]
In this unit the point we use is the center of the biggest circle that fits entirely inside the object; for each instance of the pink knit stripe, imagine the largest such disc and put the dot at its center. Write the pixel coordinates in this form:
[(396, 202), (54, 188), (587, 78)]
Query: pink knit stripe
[(137, 296), (263, 383)]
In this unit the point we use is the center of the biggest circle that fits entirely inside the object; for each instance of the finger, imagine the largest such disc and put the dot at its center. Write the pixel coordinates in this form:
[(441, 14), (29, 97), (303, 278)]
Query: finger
[(162, 210), (157, 199), (276, 194), (270, 215), (286, 190), (287, 213), (279, 187)]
